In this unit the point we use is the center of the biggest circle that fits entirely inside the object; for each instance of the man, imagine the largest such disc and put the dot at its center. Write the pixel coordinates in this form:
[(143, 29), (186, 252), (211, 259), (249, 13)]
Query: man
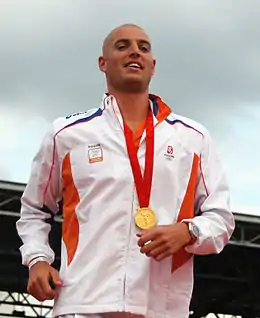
[(142, 191)]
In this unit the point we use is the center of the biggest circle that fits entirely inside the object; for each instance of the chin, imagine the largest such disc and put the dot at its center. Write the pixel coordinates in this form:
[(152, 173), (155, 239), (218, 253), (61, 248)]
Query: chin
[(133, 79), (133, 76), (133, 86)]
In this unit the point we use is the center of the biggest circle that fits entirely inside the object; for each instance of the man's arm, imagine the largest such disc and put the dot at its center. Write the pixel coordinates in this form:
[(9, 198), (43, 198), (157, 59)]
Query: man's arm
[(213, 219), (213, 216), (39, 203)]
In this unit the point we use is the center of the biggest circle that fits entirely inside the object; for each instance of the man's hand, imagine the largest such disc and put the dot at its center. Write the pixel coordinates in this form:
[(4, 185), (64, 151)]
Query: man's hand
[(163, 241), (40, 276)]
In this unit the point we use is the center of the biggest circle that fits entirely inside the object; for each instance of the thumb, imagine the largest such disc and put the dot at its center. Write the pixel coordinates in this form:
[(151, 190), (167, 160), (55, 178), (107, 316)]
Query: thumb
[(55, 277)]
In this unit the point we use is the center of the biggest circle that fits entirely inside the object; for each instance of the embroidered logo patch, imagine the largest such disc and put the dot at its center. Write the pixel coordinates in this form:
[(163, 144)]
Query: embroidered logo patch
[(95, 153), (169, 152)]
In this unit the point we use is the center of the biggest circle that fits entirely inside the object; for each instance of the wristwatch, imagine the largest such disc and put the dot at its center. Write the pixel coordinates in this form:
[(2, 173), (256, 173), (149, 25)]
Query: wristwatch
[(194, 231)]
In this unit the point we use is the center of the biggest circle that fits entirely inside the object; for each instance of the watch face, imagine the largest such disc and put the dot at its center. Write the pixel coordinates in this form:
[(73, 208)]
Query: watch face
[(196, 231)]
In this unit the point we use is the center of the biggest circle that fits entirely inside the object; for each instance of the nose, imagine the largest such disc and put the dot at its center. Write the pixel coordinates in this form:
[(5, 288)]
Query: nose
[(134, 50)]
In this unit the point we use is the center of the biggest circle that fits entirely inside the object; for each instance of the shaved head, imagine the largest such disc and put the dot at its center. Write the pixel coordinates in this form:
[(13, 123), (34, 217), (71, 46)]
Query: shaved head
[(110, 37)]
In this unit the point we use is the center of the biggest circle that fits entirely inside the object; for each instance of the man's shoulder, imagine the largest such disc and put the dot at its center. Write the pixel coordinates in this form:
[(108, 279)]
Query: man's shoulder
[(186, 123), (73, 119)]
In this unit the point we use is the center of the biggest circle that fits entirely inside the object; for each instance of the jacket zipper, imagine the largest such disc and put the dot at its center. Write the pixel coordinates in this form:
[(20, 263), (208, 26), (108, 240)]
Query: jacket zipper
[(129, 233)]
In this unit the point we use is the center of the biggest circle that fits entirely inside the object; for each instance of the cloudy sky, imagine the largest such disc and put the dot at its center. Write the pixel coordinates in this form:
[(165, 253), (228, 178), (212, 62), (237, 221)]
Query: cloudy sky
[(208, 68)]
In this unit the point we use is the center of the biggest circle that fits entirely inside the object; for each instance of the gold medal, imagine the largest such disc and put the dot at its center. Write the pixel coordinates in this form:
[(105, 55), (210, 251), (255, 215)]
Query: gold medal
[(145, 218)]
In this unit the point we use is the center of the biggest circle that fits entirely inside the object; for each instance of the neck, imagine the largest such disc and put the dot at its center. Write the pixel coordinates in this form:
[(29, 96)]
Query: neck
[(133, 107)]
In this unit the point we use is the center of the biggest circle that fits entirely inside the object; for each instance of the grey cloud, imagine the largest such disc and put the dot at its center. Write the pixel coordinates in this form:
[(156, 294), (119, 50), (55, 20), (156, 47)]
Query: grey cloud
[(201, 57)]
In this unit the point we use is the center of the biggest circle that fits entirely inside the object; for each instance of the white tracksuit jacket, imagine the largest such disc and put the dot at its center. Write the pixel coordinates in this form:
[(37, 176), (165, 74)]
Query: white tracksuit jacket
[(83, 160)]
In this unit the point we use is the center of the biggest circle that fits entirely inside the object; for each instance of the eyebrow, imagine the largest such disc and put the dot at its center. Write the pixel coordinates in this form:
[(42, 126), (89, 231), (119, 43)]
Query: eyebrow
[(139, 40)]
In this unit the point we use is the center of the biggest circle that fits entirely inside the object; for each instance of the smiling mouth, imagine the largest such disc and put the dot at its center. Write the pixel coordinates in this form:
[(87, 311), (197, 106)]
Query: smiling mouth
[(135, 66)]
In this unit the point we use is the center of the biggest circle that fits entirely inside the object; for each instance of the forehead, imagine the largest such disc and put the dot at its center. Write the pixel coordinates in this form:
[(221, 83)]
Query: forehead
[(127, 33), (131, 33)]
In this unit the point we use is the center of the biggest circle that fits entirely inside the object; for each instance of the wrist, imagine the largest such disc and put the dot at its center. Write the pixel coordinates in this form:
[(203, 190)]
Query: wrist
[(37, 260), (193, 231)]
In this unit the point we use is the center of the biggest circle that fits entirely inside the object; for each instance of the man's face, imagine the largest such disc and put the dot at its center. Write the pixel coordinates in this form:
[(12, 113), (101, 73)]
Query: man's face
[(127, 60)]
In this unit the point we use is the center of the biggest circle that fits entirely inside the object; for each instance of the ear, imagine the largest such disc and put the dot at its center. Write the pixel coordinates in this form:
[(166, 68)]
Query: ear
[(102, 64), (153, 69)]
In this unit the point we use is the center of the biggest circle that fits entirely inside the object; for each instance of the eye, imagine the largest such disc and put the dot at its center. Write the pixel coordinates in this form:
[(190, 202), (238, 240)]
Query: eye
[(144, 48), (121, 46)]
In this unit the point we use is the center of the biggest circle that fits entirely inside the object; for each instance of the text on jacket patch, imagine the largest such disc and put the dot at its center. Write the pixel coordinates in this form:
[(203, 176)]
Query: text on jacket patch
[(95, 153)]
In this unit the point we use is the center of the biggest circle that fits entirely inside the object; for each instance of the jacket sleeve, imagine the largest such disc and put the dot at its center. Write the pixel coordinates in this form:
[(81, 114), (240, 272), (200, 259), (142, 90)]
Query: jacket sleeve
[(39, 203), (213, 216)]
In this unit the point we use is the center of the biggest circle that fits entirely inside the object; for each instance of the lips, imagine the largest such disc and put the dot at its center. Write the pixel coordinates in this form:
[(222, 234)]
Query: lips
[(134, 65)]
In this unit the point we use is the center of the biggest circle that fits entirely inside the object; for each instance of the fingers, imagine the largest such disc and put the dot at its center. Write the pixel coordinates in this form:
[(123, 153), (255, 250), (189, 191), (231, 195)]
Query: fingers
[(45, 285), (161, 242), (158, 251), (147, 237), (36, 291), (43, 281), (163, 255), (55, 278), (143, 232), (40, 288), (149, 247)]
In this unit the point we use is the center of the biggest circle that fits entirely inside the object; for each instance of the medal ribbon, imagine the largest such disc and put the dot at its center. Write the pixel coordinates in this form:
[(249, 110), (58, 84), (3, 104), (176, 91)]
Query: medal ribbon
[(143, 184)]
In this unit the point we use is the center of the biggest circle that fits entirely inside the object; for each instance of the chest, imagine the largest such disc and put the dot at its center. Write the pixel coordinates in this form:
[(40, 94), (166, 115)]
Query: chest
[(102, 158)]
